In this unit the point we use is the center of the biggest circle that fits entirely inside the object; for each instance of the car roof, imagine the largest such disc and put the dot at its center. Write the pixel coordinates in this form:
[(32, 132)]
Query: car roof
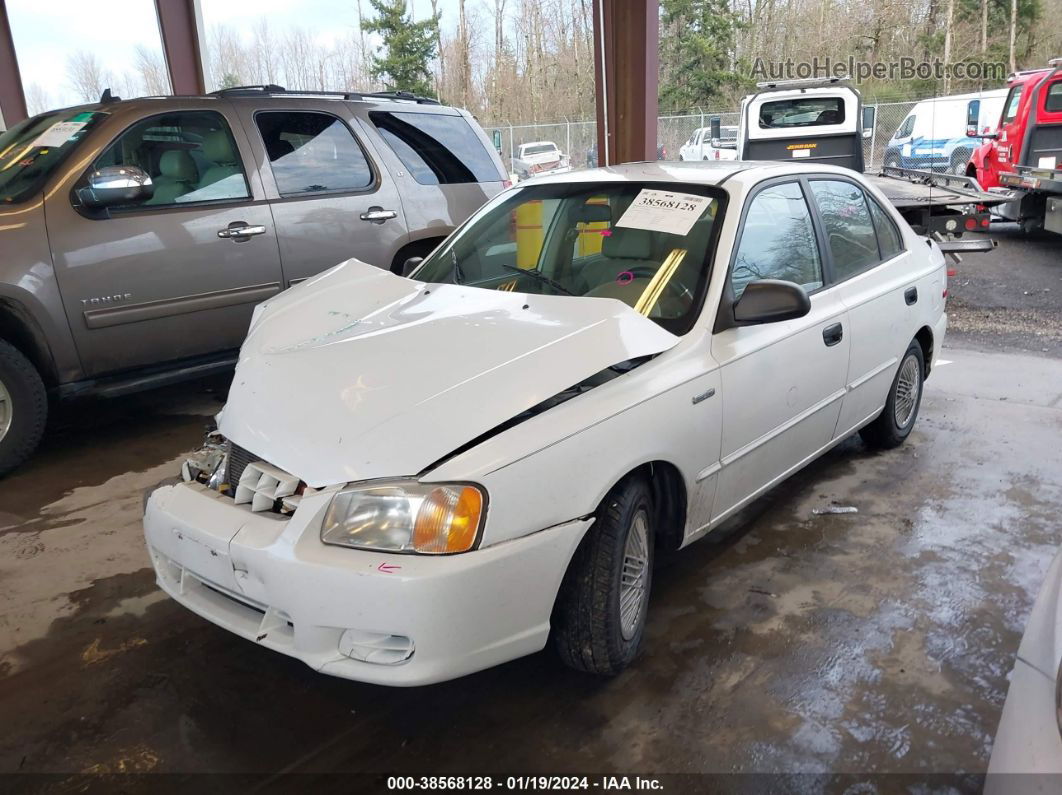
[(701, 172)]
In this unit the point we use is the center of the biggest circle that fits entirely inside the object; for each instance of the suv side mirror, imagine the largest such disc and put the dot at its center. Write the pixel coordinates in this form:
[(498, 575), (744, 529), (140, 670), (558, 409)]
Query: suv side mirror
[(870, 117), (715, 127), (116, 185), (770, 301), (410, 265), (496, 138)]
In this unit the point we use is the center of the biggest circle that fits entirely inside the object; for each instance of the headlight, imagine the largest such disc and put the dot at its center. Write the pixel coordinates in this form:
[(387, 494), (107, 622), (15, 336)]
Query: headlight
[(405, 516)]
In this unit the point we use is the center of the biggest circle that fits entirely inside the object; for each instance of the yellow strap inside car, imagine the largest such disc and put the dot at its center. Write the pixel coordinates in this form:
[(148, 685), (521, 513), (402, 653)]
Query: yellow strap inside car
[(656, 285)]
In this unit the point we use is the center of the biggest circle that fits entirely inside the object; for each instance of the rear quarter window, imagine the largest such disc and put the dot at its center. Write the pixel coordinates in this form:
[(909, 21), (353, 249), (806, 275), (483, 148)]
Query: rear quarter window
[(437, 148)]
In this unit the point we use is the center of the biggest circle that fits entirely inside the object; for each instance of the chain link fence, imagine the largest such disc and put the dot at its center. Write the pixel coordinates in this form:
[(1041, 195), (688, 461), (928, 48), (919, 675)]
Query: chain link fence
[(578, 139)]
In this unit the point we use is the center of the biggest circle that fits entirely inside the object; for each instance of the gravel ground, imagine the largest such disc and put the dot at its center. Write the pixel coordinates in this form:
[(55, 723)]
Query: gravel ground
[(1010, 299)]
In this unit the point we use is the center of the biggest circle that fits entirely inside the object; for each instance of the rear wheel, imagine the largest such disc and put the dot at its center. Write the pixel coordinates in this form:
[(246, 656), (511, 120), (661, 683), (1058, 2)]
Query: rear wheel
[(23, 408), (895, 422), (601, 609)]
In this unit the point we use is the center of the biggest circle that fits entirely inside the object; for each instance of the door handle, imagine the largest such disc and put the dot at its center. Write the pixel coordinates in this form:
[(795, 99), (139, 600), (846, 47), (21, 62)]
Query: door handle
[(833, 334), (238, 231), (910, 295), (378, 215)]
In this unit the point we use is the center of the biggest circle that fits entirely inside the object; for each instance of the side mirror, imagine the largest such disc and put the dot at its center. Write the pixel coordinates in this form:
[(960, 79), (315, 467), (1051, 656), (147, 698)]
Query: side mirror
[(770, 301), (715, 125), (497, 140), (411, 265), (112, 185)]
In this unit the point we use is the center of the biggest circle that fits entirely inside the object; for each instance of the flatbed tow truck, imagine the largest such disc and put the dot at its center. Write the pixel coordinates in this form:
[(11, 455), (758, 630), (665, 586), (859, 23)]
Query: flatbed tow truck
[(1020, 162), (823, 120)]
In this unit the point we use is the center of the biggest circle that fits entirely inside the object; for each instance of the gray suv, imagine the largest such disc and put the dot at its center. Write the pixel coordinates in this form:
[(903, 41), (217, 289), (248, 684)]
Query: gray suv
[(137, 236)]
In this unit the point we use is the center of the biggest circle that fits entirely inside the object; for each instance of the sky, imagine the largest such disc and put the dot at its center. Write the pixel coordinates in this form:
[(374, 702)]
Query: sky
[(47, 33)]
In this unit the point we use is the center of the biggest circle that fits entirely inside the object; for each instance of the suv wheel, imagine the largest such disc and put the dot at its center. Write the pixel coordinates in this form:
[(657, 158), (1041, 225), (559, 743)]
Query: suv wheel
[(601, 609), (23, 408)]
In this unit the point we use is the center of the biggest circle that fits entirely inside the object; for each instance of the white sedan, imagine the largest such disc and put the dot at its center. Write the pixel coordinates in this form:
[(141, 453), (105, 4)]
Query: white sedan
[(417, 478)]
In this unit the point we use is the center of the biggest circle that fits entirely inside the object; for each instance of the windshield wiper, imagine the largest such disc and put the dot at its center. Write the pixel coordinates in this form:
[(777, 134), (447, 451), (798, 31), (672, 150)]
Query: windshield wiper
[(541, 277), (458, 275)]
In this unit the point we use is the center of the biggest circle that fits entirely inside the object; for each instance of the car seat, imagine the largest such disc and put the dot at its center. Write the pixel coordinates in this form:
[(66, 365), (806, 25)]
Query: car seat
[(218, 148), (177, 176)]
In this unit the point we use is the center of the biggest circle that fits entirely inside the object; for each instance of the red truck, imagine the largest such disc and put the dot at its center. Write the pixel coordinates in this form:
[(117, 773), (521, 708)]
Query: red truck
[(1023, 158)]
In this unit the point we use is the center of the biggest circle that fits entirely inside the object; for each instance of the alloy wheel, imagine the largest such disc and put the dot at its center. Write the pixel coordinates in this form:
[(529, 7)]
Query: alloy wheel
[(5, 411), (908, 387), (635, 575)]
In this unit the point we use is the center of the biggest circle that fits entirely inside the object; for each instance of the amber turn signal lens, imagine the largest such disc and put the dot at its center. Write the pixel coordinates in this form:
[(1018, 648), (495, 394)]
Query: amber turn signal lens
[(448, 520)]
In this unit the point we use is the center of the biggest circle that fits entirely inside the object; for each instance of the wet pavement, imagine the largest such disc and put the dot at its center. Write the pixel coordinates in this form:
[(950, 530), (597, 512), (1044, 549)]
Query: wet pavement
[(878, 641)]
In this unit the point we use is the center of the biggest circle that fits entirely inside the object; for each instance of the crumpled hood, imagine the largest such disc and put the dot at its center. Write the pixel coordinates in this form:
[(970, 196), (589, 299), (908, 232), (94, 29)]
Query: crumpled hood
[(362, 374)]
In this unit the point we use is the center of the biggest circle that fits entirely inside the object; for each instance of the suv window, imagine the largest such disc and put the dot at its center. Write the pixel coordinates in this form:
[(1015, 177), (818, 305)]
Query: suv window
[(190, 156), (312, 152), (889, 240), (1013, 99), (436, 148), (846, 222), (801, 112), (1053, 100), (777, 241)]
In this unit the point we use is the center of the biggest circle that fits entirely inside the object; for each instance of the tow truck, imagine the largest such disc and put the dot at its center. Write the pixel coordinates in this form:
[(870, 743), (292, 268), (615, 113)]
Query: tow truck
[(823, 120), (1020, 161)]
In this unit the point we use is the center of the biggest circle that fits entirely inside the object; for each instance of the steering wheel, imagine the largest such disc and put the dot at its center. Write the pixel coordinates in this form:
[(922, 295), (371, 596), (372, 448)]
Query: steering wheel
[(678, 289)]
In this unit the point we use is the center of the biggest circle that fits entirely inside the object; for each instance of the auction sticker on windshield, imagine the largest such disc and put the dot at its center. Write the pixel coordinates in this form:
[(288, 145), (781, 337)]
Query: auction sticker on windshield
[(58, 134), (663, 211)]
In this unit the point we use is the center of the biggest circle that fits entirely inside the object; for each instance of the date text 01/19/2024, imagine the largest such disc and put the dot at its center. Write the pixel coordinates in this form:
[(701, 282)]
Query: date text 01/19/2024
[(523, 783)]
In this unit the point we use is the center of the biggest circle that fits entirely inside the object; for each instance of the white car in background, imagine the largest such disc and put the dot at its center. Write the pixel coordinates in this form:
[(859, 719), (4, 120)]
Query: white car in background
[(699, 146), (417, 478), (540, 157)]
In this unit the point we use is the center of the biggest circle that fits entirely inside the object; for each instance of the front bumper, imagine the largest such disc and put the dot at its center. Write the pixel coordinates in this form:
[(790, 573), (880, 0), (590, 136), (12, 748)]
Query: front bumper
[(272, 581)]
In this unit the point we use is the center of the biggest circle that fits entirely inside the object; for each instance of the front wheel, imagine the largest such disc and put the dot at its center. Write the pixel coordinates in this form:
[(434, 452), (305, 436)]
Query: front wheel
[(896, 420), (601, 608), (23, 408)]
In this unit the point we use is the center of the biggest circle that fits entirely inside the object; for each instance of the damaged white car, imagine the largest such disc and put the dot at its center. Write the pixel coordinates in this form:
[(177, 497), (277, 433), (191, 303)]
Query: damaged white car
[(417, 478)]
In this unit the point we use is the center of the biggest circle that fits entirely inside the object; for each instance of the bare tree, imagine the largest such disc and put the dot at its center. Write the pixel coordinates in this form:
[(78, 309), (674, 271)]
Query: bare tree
[(87, 75), (37, 99), (151, 68)]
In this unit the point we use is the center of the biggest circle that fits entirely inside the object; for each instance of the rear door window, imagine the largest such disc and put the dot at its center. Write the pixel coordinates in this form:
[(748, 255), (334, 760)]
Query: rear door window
[(849, 229), (437, 148), (801, 112), (1053, 100), (312, 152)]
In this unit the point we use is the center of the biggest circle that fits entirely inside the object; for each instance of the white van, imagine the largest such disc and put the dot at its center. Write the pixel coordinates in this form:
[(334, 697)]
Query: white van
[(933, 134)]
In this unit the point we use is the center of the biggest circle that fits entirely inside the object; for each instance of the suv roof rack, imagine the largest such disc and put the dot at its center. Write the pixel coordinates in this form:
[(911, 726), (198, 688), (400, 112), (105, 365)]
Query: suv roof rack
[(810, 82), (354, 96)]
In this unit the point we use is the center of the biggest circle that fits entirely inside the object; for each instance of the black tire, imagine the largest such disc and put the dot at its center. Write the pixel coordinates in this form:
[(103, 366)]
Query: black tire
[(887, 431), (24, 410), (589, 631)]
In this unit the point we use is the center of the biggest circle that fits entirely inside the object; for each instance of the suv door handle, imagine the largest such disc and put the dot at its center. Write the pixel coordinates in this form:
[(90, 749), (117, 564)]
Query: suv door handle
[(238, 231), (910, 295), (831, 335), (378, 215)]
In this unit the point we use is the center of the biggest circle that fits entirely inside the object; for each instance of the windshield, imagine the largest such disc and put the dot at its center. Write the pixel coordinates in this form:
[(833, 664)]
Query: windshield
[(540, 149), (647, 245), (34, 148)]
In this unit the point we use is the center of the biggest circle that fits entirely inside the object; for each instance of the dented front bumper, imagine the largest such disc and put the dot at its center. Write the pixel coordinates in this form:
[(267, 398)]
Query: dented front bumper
[(373, 617)]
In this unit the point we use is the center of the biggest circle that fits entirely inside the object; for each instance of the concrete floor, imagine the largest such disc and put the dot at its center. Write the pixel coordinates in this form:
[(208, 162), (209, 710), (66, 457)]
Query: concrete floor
[(788, 641)]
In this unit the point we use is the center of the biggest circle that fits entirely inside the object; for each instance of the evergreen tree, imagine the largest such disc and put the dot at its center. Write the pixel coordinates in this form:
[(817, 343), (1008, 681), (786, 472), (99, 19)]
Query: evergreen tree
[(697, 39), (408, 47)]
